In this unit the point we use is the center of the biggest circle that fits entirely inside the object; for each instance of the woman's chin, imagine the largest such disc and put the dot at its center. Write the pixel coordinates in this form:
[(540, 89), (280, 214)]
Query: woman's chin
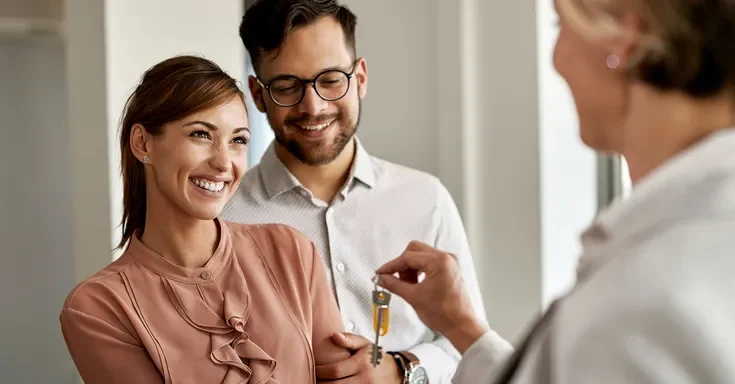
[(202, 212)]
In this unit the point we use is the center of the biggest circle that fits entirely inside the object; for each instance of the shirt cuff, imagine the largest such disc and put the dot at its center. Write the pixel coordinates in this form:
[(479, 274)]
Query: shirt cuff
[(439, 363), (482, 358)]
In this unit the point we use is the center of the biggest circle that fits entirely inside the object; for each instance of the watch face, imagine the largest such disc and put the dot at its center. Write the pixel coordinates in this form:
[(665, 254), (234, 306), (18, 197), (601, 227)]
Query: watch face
[(418, 376)]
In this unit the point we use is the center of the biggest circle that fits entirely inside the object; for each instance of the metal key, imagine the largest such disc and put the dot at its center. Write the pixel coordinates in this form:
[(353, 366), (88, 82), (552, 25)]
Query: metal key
[(381, 318)]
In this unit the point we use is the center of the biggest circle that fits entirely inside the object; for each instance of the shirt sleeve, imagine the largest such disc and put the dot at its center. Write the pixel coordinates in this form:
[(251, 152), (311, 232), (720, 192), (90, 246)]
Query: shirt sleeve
[(481, 359), (105, 354), (439, 357), (660, 341), (326, 318)]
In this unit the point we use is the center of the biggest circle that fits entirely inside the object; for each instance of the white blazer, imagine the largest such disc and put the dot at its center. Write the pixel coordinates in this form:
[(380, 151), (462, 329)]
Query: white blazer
[(655, 296)]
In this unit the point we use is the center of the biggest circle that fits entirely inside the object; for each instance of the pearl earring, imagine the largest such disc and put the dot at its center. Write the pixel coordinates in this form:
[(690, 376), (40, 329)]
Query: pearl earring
[(145, 159), (612, 61)]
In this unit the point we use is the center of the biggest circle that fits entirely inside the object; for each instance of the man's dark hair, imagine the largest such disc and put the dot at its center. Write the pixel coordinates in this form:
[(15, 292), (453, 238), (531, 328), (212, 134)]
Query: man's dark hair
[(266, 23)]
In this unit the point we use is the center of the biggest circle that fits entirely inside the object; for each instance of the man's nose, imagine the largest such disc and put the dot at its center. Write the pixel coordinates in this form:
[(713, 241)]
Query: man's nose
[(312, 104)]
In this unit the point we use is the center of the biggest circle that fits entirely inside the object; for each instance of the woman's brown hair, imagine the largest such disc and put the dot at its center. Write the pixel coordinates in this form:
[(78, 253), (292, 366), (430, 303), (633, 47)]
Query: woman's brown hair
[(169, 91)]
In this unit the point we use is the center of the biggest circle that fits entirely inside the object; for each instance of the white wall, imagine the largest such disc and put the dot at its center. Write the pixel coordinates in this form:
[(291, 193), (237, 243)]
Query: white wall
[(35, 235)]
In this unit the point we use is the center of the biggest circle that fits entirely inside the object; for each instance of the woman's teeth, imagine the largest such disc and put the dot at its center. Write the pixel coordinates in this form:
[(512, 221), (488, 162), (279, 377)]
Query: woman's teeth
[(315, 127), (209, 185)]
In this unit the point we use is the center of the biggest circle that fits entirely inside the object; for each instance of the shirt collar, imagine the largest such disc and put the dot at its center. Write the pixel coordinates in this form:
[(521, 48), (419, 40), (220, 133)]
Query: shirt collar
[(162, 266), (362, 167), (278, 179), (683, 187)]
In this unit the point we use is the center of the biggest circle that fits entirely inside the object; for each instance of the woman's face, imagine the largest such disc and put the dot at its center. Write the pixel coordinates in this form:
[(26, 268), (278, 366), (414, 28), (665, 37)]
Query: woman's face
[(196, 164), (599, 92)]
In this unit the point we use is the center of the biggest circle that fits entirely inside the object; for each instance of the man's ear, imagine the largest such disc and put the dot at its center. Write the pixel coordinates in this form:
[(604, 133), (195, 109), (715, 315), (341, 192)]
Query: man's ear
[(257, 92), (361, 75), (140, 144)]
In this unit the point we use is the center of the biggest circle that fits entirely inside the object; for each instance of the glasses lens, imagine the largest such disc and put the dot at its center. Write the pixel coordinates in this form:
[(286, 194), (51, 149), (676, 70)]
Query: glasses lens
[(286, 90), (332, 85)]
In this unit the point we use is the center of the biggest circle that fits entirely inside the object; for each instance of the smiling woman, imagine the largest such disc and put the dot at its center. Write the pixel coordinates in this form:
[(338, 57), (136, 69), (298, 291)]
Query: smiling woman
[(194, 298), (183, 95)]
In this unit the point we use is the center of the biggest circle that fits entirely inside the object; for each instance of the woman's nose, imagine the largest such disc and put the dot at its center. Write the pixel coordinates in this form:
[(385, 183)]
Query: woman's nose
[(221, 160)]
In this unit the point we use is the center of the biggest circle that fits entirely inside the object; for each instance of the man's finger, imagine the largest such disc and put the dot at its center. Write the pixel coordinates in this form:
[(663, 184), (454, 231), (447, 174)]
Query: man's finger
[(344, 369), (409, 276), (408, 260), (419, 246), (350, 340), (341, 369)]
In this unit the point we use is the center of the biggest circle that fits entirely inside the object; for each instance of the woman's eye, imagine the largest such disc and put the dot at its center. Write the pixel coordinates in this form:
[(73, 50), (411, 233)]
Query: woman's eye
[(200, 134), (242, 140)]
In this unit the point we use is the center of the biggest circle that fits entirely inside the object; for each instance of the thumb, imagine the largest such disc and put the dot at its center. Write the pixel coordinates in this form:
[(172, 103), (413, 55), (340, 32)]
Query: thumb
[(349, 340), (397, 286)]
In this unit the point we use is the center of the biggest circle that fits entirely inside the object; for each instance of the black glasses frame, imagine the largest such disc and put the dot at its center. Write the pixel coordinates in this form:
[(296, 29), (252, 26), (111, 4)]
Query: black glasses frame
[(312, 82)]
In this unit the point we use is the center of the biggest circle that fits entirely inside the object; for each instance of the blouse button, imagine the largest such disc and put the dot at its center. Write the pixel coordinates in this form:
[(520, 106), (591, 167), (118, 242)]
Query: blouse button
[(206, 275)]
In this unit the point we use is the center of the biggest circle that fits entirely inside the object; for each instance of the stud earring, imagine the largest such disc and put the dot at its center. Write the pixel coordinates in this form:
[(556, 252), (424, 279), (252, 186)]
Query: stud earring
[(145, 159), (612, 61)]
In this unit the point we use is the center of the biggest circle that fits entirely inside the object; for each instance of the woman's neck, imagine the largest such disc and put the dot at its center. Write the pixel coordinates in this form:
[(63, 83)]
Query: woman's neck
[(661, 125), (181, 239)]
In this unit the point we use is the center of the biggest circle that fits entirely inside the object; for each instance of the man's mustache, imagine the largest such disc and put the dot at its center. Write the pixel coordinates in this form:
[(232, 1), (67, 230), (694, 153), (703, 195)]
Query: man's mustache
[(312, 120)]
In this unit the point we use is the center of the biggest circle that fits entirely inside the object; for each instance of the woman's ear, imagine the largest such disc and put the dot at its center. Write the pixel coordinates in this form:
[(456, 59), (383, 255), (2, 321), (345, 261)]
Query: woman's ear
[(140, 144)]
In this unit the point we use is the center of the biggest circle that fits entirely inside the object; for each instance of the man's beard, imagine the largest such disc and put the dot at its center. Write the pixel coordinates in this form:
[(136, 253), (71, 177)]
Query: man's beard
[(321, 154)]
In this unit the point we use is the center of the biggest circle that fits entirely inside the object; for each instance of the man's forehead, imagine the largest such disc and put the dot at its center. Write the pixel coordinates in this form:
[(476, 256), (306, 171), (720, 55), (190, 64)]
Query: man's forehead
[(303, 67), (308, 50)]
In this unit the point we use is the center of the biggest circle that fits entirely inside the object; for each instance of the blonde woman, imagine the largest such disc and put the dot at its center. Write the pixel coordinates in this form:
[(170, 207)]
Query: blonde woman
[(654, 81)]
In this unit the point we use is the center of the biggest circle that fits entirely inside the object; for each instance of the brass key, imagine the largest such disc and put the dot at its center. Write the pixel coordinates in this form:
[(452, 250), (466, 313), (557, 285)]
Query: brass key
[(381, 318)]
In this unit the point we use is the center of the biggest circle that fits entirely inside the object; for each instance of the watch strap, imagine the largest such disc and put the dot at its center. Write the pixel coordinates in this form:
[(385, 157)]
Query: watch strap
[(400, 362), (410, 358)]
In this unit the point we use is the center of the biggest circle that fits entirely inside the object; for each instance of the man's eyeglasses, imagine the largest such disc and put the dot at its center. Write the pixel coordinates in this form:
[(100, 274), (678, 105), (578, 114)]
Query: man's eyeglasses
[(331, 85)]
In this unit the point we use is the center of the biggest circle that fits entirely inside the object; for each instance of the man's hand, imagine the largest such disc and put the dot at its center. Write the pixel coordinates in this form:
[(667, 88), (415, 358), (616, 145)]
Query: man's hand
[(358, 369), (439, 300)]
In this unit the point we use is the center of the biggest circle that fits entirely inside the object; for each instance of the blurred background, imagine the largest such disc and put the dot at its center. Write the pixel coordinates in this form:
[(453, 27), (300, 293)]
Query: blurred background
[(462, 89)]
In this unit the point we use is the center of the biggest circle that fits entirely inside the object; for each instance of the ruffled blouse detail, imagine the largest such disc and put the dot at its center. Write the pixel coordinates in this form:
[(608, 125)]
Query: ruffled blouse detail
[(219, 303)]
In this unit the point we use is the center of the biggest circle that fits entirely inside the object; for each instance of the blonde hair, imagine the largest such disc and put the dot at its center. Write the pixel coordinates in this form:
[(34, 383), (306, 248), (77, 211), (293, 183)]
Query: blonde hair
[(681, 41)]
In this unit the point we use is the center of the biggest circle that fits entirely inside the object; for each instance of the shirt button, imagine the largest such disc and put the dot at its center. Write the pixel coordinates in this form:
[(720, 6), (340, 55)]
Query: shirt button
[(340, 267), (206, 275), (304, 193), (350, 326)]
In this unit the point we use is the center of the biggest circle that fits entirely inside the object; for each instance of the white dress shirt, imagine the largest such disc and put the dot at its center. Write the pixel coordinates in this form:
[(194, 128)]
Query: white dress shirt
[(655, 297), (382, 207)]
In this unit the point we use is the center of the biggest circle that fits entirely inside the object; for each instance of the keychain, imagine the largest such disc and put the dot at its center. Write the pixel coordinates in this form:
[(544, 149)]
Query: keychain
[(381, 318)]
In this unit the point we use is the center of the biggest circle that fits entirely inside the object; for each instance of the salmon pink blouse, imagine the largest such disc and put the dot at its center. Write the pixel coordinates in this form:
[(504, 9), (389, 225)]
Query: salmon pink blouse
[(260, 311)]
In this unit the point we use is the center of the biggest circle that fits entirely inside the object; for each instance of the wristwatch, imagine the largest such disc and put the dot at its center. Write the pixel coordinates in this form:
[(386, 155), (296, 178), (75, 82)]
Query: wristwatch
[(410, 366)]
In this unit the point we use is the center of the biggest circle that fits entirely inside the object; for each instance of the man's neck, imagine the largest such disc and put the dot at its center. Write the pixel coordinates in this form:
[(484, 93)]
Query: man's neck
[(179, 238), (324, 181)]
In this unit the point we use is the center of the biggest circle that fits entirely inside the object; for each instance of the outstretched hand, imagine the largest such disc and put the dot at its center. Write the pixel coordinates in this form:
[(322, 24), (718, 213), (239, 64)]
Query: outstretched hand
[(439, 299)]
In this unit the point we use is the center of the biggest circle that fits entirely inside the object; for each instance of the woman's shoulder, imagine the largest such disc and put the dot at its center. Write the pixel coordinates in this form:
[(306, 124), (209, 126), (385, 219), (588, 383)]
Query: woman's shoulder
[(278, 244), (270, 237), (98, 293)]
